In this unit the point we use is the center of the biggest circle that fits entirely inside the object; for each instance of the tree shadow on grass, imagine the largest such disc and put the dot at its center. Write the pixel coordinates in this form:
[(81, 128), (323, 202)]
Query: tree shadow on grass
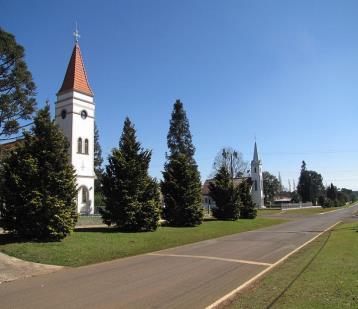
[(112, 229), (210, 219), (11, 239), (100, 229), (165, 224)]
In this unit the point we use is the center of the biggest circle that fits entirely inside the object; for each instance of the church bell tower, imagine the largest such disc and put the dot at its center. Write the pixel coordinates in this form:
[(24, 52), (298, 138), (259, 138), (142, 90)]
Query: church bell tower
[(257, 181), (75, 112)]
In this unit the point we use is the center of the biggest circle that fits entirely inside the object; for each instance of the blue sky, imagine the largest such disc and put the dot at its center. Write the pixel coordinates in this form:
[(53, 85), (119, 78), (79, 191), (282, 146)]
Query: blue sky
[(283, 71)]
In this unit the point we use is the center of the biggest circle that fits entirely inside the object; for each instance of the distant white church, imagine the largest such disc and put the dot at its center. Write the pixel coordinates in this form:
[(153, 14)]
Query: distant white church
[(257, 193), (75, 114)]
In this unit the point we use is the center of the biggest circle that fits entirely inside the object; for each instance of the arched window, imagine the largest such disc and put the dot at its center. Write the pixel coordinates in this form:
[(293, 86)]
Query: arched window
[(255, 169), (86, 146), (79, 145), (84, 195), (255, 185)]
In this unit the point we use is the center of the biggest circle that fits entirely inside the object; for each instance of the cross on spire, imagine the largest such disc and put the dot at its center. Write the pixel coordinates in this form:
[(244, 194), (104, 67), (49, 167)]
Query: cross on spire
[(76, 34)]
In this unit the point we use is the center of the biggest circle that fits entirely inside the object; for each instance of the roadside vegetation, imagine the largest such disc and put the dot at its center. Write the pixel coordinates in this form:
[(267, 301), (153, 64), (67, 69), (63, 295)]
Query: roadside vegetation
[(89, 246), (322, 275)]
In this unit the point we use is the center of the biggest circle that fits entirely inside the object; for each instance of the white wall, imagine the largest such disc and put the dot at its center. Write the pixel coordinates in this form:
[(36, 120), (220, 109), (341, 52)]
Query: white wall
[(75, 127), (257, 195)]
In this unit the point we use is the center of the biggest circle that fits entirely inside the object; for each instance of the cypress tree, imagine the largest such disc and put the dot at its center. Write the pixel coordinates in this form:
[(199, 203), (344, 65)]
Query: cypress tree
[(310, 185), (247, 209), (181, 187), (131, 196), (98, 160), (98, 170), (39, 184), (225, 195)]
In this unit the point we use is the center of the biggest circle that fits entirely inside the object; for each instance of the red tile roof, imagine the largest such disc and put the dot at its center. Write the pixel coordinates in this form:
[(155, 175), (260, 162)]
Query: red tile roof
[(76, 77), (6, 148)]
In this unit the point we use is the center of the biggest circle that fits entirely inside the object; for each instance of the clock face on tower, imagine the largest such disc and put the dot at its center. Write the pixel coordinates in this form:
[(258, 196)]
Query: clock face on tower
[(83, 114)]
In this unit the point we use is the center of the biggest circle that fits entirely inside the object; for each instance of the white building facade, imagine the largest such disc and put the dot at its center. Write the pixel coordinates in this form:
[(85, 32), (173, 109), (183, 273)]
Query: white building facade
[(75, 115), (257, 180)]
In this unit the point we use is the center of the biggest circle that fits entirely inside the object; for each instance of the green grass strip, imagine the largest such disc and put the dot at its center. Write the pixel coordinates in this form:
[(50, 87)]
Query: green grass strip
[(324, 274)]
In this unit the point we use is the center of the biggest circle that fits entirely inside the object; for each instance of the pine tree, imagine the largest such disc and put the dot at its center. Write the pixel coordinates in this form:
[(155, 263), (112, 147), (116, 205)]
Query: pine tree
[(332, 192), (303, 187), (98, 160), (181, 187), (310, 185), (247, 209), (181, 191), (17, 89), (179, 137), (226, 196), (98, 170), (131, 196), (39, 188)]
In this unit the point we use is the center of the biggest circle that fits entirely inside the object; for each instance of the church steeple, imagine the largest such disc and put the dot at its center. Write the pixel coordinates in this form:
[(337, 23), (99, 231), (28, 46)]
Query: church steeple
[(75, 116), (76, 77), (256, 156), (257, 180)]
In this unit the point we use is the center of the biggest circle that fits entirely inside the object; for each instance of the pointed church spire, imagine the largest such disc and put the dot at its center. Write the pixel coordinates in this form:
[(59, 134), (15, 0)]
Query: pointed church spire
[(256, 156), (76, 77)]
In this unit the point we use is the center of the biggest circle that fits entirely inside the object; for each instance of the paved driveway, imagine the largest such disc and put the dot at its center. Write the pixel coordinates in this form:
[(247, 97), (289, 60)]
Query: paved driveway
[(191, 276)]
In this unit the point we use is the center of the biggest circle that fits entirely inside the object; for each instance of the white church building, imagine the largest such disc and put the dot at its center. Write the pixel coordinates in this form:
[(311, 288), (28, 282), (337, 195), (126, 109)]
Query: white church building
[(75, 112), (257, 190), (257, 193)]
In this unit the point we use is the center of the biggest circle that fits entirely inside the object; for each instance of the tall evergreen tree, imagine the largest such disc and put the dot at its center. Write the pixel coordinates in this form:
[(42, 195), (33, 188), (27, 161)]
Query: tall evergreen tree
[(332, 192), (181, 186), (39, 188), (131, 196), (303, 187), (98, 161), (17, 89), (226, 196), (247, 209), (310, 185), (179, 137)]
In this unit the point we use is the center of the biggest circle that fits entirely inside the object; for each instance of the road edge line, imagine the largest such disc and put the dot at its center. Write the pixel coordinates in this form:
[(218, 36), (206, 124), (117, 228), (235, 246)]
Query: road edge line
[(248, 282)]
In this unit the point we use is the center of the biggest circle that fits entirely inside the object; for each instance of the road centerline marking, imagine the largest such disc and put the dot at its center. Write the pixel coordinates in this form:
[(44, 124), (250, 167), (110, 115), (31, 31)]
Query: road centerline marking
[(260, 274), (211, 258)]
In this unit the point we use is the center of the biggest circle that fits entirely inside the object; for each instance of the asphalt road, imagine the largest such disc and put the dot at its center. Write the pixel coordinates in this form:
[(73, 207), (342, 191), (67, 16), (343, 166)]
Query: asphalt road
[(191, 276)]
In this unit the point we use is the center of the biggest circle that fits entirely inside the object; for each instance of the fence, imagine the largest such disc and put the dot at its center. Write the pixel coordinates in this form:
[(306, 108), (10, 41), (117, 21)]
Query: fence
[(297, 205)]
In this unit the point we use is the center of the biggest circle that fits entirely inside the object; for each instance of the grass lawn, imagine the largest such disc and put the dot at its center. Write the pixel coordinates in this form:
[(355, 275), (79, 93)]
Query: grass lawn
[(330, 281), (95, 245), (268, 211)]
